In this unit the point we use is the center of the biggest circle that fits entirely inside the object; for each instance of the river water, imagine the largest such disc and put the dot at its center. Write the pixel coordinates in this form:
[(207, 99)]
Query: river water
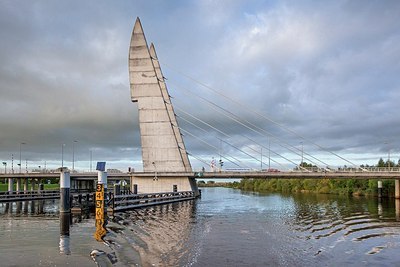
[(226, 227)]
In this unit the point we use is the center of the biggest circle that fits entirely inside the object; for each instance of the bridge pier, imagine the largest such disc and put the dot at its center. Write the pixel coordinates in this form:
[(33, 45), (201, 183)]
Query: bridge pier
[(163, 184), (18, 188), (10, 186), (379, 189), (26, 185), (397, 188), (33, 183)]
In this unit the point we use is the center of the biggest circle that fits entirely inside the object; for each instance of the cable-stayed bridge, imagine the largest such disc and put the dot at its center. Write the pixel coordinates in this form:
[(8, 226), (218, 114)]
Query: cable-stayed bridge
[(243, 147)]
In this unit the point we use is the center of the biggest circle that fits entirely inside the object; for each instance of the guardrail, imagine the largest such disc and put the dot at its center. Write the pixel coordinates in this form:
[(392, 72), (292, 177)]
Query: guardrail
[(133, 201), (29, 195)]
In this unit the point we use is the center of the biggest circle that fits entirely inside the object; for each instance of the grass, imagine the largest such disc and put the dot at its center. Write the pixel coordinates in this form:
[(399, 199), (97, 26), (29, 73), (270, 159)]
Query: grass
[(4, 187)]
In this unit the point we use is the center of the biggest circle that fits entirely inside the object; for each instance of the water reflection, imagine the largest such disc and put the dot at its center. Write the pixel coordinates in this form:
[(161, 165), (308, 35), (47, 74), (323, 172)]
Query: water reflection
[(224, 228), (65, 222), (29, 208), (160, 235)]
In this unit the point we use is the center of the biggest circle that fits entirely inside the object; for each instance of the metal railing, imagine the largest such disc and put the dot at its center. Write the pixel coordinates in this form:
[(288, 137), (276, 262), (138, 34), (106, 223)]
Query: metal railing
[(29, 195), (132, 201)]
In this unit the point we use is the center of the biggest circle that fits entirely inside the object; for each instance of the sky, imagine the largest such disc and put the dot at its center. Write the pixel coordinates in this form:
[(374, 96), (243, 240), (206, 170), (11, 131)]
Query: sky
[(317, 75)]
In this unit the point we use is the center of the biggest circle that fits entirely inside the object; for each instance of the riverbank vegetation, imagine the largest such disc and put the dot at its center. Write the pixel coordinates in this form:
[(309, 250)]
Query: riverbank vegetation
[(323, 186), (213, 184), (360, 187), (4, 187)]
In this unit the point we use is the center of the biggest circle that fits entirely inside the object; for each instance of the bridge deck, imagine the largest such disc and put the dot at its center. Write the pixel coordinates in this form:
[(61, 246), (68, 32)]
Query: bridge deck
[(358, 174)]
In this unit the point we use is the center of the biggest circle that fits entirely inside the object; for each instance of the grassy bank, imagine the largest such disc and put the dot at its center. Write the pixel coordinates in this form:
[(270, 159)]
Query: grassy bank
[(4, 187), (323, 186)]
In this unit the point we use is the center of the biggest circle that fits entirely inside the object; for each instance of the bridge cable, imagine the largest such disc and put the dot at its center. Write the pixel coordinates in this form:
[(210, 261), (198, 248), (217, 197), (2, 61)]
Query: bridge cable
[(260, 115), (231, 146), (230, 143), (238, 120), (305, 157), (201, 140)]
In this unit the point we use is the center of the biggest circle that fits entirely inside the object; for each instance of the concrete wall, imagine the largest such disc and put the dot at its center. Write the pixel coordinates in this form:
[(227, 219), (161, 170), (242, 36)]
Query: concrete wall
[(151, 185)]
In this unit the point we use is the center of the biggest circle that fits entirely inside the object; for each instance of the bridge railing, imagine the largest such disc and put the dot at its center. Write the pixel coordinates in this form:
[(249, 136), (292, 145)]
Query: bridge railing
[(29, 195), (125, 202)]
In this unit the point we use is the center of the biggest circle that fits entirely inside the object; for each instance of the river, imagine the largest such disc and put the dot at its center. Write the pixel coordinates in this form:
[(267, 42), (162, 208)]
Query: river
[(226, 227)]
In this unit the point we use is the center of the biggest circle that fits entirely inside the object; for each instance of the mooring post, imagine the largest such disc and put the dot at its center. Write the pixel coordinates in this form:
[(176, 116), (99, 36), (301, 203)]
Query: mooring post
[(65, 212), (117, 189), (65, 184), (380, 189), (10, 186), (41, 188)]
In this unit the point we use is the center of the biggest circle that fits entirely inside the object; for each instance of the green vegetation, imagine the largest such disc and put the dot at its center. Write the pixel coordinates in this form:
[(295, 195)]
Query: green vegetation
[(358, 187), (213, 184), (4, 187), (324, 186)]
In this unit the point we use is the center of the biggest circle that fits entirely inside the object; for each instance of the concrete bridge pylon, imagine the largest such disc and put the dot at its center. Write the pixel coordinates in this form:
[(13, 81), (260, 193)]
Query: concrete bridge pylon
[(163, 149)]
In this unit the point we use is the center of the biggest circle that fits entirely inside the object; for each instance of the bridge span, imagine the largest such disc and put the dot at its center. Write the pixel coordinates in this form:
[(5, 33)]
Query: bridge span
[(295, 174)]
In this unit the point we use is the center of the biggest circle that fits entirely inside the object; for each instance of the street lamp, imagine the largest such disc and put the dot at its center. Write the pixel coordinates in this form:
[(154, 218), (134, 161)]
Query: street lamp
[(73, 155), (90, 160), (302, 150), (62, 156), (269, 153), (20, 148), (387, 143), (5, 169)]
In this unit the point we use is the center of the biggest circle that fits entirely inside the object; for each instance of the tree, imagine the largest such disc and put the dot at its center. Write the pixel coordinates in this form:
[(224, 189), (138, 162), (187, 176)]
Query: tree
[(381, 163)]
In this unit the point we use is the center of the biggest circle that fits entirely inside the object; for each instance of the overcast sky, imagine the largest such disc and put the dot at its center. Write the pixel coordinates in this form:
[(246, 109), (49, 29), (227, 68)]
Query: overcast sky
[(328, 70)]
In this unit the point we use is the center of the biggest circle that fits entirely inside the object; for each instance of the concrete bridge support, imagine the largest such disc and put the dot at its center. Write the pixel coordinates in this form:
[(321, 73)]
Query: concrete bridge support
[(18, 188), (155, 184), (397, 188), (33, 184), (10, 186), (25, 185)]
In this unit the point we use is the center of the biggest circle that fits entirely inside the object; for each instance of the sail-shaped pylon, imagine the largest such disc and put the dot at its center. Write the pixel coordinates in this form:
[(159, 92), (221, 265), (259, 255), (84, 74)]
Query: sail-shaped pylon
[(163, 149), (170, 109)]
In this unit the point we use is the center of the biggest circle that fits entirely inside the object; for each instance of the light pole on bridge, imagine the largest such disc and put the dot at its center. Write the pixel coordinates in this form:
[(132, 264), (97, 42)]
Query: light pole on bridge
[(387, 143), (269, 153), (62, 156), (73, 155), (302, 154), (20, 149)]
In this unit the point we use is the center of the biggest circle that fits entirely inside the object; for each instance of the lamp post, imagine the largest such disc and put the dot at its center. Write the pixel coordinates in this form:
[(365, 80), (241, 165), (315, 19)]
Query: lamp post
[(62, 156), (387, 143), (90, 160), (20, 149), (73, 155), (302, 150), (269, 154), (5, 169)]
